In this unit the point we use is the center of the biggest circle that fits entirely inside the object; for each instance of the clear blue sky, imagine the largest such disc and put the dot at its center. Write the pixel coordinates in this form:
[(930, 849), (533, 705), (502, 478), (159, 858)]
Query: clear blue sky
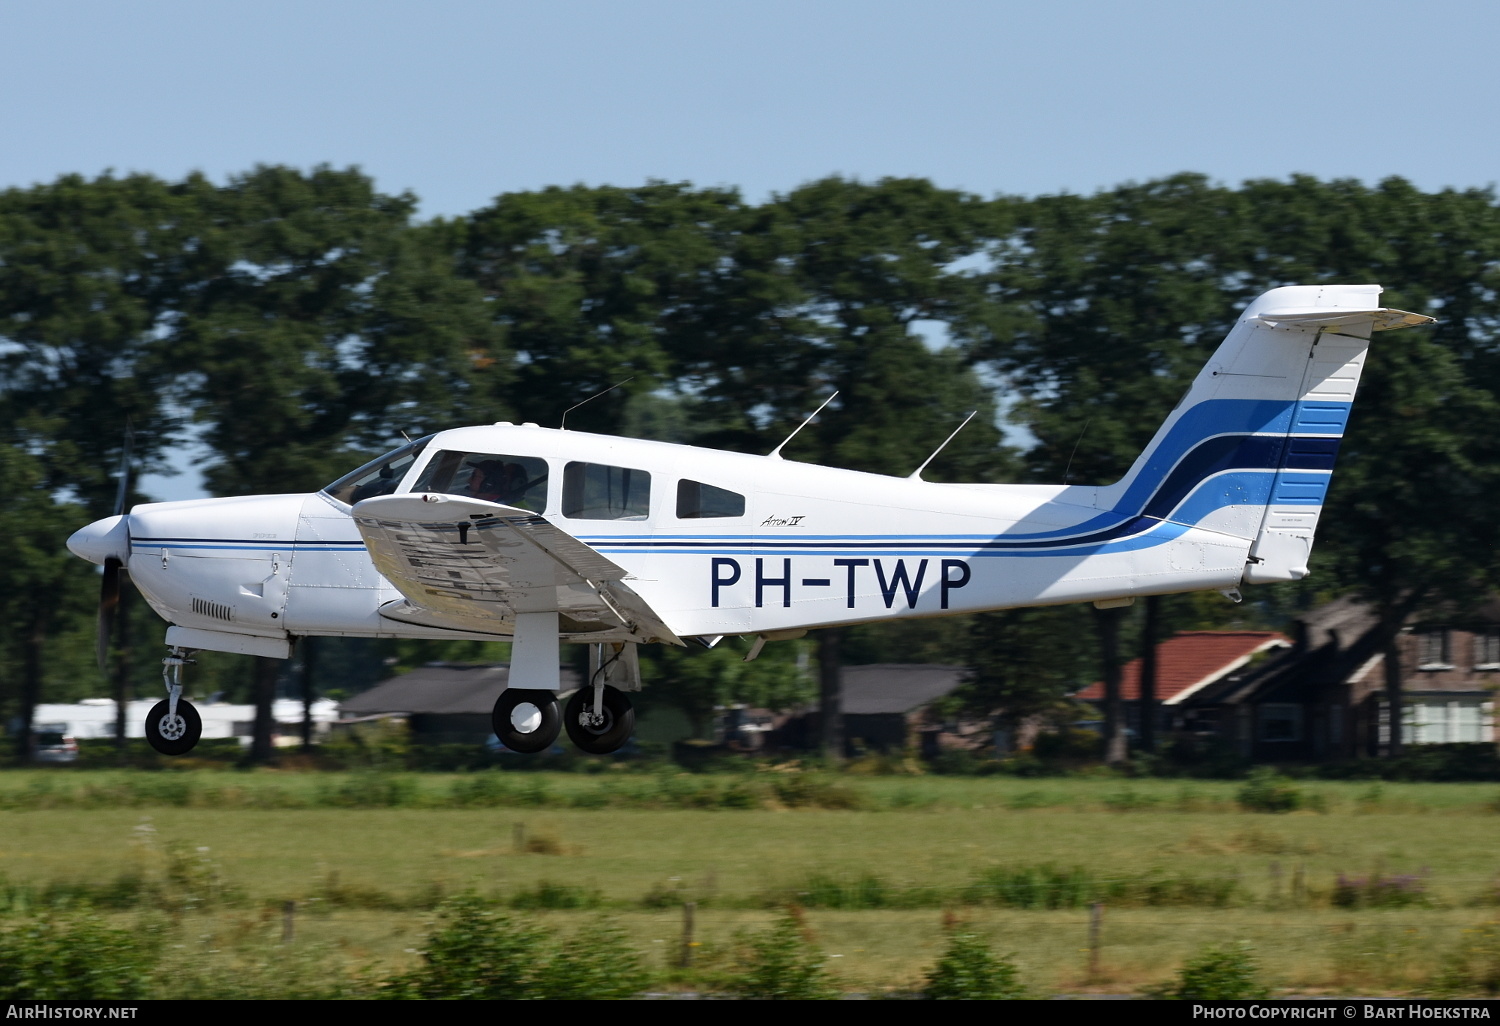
[(460, 100)]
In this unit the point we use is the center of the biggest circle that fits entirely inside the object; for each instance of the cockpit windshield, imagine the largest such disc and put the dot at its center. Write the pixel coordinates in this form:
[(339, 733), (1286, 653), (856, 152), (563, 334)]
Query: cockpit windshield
[(378, 477), (519, 481)]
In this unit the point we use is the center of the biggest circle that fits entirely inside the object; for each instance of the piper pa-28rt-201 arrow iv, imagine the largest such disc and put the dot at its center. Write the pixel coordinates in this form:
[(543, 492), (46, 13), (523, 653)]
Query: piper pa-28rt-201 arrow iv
[(542, 536)]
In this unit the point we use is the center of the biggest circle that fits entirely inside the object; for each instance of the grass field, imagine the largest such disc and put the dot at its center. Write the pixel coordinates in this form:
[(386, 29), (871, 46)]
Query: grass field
[(1183, 866)]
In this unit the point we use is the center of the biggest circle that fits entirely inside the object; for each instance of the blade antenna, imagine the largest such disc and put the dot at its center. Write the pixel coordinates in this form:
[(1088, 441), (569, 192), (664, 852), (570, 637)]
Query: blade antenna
[(775, 454), (564, 425), (1069, 468), (916, 475)]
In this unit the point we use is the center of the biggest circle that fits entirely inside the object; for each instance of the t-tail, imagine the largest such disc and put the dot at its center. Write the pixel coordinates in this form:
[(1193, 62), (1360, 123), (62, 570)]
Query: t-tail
[(1249, 451)]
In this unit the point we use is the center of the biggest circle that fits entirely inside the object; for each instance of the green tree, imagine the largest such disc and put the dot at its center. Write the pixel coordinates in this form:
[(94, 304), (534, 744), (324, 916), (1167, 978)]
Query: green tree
[(92, 274), (1423, 432), (335, 327), (44, 589), (849, 287), (697, 681), (594, 285), (1102, 308)]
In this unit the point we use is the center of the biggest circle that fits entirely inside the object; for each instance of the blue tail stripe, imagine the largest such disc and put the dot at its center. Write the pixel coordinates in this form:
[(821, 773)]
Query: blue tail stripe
[(1214, 436), (1214, 456), (1311, 453), (1320, 417), (1300, 490)]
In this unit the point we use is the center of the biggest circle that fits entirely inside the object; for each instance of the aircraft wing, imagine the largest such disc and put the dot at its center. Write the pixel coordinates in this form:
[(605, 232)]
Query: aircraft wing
[(471, 565)]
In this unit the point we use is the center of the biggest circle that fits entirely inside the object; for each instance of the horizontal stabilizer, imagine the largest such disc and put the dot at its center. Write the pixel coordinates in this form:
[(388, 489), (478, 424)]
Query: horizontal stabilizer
[(1321, 317)]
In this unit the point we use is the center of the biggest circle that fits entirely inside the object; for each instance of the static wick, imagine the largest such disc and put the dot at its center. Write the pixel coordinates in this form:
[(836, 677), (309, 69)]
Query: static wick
[(563, 426)]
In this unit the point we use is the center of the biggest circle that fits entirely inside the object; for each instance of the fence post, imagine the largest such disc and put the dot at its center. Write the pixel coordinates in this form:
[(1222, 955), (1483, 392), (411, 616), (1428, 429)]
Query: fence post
[(288, 919), (1096, 920), (688, 908)]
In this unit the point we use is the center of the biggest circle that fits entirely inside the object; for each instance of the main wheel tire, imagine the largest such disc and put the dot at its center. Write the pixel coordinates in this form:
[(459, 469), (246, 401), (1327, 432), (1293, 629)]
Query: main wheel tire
[(525, 720), (599, 738), (173, 735)]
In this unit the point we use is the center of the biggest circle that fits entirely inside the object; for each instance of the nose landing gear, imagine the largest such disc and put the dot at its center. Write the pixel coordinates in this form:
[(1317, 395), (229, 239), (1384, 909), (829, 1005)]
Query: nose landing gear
[(173, 726)]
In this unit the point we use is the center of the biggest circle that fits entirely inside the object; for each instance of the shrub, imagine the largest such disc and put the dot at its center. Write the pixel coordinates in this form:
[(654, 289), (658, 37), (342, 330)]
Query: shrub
[(1042, 886), (970, 971), (554, 895), (477, 954), (1072, 743), (865, 891), (596, 964), (480, 953), (1472, 966), (782, 964), (70, 957), (1267, 791), (1380, 891), (368, 790), (807, 790), (1227, 973)]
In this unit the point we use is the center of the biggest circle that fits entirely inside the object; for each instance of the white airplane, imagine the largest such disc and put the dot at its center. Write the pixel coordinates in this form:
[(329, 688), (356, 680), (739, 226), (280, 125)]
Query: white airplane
[(542, 536)]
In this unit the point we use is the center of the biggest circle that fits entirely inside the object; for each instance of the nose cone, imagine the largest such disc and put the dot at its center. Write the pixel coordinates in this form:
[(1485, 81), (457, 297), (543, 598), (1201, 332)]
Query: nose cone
[(103, 539)]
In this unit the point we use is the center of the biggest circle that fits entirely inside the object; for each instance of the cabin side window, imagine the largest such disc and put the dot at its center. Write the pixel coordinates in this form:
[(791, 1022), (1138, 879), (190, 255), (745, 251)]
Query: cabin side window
[(594, 491), (519, 481), (699, 501), (378, 477)]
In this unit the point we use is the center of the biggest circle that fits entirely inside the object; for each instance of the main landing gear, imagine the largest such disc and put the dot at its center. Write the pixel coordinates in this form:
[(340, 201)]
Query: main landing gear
[(526, 721), (598, 717), (173, 726)]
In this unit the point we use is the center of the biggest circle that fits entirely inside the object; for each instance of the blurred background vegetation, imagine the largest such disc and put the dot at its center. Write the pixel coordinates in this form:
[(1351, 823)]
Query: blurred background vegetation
[(287, 325)]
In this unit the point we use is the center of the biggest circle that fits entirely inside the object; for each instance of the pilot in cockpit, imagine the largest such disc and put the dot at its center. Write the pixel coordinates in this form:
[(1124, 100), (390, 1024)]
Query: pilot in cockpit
[(497, 481)]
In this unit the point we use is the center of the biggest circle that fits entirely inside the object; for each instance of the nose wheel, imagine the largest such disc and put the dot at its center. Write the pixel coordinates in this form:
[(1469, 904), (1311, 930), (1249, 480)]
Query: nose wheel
[(173, 726), (173, 733), (526, 721), (599, 727)]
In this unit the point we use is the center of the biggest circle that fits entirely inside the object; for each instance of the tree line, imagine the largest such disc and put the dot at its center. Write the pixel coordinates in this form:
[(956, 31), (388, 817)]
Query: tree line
[(293, 323)]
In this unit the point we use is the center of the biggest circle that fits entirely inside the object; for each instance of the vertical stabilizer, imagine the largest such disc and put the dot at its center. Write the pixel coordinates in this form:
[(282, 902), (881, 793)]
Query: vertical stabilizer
[(1249, 451)]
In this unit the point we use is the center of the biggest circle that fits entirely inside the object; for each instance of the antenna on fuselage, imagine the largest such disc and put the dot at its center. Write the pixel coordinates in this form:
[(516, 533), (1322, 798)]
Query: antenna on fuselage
[(916, 475), (775, 454), (564, 425)]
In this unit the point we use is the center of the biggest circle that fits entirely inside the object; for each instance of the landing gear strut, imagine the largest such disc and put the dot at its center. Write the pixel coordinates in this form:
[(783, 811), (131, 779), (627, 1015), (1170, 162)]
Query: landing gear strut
[(526, 721), (173, 726), (599, 719)]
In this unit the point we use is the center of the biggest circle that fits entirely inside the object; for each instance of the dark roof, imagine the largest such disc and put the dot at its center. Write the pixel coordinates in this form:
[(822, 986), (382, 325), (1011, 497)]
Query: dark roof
[(440, 688), (896, 687), (1189, 661)]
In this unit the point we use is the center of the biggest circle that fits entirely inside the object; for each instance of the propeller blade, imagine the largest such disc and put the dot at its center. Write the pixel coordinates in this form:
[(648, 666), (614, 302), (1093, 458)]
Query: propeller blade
[(123, 491), (109, 604)]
